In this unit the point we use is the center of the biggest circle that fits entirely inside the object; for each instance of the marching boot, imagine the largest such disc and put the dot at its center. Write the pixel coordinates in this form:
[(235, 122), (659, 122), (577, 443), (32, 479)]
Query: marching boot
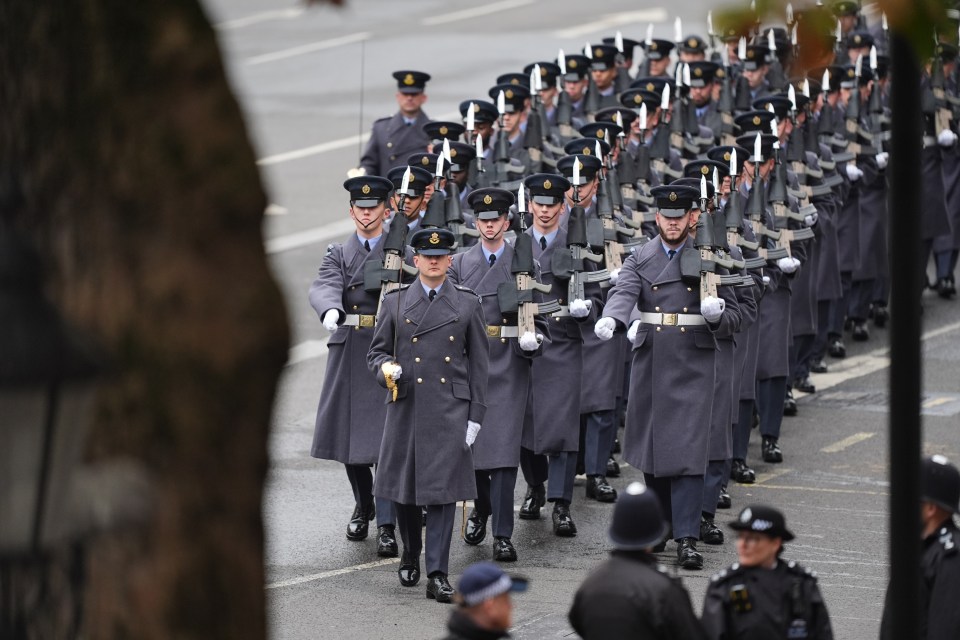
[(860, 331), (476, 529), (687, 554), (789, 404), (386, 541), (503, 550), (837, 349), (600, 490), (771, 450), (818, 366), (358, 527), (805, 384), (613, 468), (880, 316), (563, 525), (409, 571), (741, 473), (724, 501), (710, 533), (535, 499), (439, 589)]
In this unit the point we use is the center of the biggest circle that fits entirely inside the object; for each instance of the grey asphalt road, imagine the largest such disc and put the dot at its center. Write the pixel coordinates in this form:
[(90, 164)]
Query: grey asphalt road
[(297, 75)]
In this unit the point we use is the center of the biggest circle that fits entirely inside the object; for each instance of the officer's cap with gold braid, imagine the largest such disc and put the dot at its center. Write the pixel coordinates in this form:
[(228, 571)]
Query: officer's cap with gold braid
[(674, 201), (433, 242), (368, 191), (490, 203), (546, 188), (514, 96), (419, 179), (411, 81), (589, 165)]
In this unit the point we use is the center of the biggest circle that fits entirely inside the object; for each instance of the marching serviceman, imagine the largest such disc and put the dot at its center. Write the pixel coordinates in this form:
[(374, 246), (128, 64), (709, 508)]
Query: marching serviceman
[(430, 351), (496, 453), (395, 137), (672, 377), (349, 427), (763, 596)]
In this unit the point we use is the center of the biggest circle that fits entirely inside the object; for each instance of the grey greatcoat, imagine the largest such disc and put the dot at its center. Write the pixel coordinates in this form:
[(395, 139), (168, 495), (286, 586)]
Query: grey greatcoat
[(392, 140), (508, 385), (442, 348), (829, 285), (672, 374), (553, 424), (349, 427)]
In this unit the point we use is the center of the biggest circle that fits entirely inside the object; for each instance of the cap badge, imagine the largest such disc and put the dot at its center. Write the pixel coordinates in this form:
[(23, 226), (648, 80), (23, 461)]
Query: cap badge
[(487, 199), (692, 43), (547, 184), (698, 72), (704, 169), (453, 153), (514, 81), (751, 53), (476, 108), (408, 79), (851, 73), (651, 86), (425, 161), (600, 133), (598, 52), (726, 156), (579, 164), (434, 238), (444, 131), (673, 196), (857, 39), (508, 94), (653, 46), (756, 119), (637, 99), (543, 71), (365, 189), (572, 64), (586, 151)]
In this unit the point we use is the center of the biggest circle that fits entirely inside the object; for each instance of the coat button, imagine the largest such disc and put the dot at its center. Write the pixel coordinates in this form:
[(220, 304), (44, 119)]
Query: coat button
[(446, 359), (503, 340), (683, 329), (689, 289), (417, 359), (414, 339), (504, 321), (355, 307), (451, 338), (407, 320), (443, 381), (353, 287), (658, 328), (389, 145), (357, 328), (393, 157), (419, 380), (656, 308), (655, 288)]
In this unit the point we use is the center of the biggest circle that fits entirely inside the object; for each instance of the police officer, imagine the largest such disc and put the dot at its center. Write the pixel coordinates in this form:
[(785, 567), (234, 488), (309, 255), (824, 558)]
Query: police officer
[(349, 427), (762, 595), (496, 453), (395, 137), (629, 595), (672, 377), (940, 559), (430, 351)]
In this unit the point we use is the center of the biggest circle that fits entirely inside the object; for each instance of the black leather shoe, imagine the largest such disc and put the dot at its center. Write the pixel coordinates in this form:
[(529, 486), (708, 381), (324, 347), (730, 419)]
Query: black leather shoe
[(358, 527), (476, 528), (724, 501), (563, 525), (741, 473), (771, 450), (818, 366), (386, 541), (613, 468), (836, 349), (880, 316), (944, 288), (710, 533), (503, 550), (535, 499), (860, 331), (600, 490), (409, 571), (439, 589), (805, 384), (687, 554), (789, 404)]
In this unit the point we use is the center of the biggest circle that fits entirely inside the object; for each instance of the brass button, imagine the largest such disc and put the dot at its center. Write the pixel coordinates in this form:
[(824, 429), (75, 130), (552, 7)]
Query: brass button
[(353, 287), (689, 289), (389, 145), (356, 328), (683, 329), (393, 157), (446, 359), (419, 380), (414, 339), (658, 328), (656, 308), (443, 380), (407, 321), (655, 288), (355, 307), (503, 340), (504, 321), (451, 338), (684, 309), (417, 359)]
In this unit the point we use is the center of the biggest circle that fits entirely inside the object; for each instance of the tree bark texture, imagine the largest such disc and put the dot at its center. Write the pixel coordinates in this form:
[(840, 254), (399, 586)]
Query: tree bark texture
[(125, 158)]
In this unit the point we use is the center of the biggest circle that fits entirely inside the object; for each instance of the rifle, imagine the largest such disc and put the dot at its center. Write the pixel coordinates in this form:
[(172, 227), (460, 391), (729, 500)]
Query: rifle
[(701, 262), (754, 211), (623, 74), (518, 296), (569, 265), (453, 213), (733, 219), (612, 247), (660, 143), (937, 84), (564, 104), (385, 276), (725, 103), (852, 115)]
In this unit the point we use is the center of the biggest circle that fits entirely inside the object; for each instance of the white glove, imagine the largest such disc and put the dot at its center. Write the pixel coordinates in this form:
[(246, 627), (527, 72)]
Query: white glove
[(473, 430), (882, 159), (632, 331), (330, 320), (580, 308), (614, 275), (395, 372), (947, 138), (788, 265), (853, 172), (604, 328), (529, 341), (811, 219), (712, 308)]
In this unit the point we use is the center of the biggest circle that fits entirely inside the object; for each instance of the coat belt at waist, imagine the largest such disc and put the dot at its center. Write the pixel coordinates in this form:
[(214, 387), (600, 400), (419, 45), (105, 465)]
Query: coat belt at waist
[(359, 320), (497, 331), (672, 319)]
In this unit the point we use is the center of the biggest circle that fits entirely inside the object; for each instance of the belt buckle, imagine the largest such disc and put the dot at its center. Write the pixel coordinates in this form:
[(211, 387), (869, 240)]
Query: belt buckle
[(493, 331), (670, 319), (366, 320)]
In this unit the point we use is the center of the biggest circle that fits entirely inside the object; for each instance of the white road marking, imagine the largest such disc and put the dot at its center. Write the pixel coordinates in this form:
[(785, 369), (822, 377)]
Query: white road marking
[(263, 16), (766, 477), (824, 490), (313, 150), (329, 574), (316, 235), (306, 351), (275, 210), (475, 12), (849, 441), (656, 14), (313, 47)]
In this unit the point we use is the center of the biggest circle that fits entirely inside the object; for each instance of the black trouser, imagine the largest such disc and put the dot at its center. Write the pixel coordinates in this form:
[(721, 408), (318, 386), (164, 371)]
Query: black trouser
[(534, 467), (361, 481), (681, 498), (439, 534), (770, 396), (495, 498)]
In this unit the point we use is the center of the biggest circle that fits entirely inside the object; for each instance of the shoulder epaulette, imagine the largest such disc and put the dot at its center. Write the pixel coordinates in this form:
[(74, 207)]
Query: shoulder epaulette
[(947, 541), (402, 287), (731, 571), (797, 569), (383, 119), (330, 248)]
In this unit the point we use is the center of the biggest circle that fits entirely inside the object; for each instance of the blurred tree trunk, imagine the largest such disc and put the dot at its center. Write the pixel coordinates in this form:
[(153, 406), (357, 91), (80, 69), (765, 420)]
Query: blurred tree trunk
[(124, 156)]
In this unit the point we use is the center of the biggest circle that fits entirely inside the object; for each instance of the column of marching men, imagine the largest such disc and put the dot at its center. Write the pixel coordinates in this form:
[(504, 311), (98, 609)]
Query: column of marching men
[(671, 246)]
